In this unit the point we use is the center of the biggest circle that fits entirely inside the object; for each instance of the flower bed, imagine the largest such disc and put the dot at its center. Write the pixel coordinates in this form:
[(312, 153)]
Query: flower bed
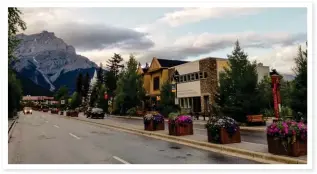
[(180, 125), (287, 138), (153, 122), (223, 130)]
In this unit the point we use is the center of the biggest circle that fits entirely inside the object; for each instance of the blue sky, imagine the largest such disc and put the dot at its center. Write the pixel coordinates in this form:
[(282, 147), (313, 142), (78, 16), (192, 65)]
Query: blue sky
[(268, 35)]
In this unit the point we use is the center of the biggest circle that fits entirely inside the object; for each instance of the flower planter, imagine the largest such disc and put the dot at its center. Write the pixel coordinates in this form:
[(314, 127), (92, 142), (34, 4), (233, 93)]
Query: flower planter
[(275, 146), (224, 137), (148, 125), (74, 114), (159, 126), (180, 129)]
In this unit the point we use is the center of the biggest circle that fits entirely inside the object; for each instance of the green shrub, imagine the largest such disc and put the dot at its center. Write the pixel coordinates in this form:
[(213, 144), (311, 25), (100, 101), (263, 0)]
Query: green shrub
[(131, 111)]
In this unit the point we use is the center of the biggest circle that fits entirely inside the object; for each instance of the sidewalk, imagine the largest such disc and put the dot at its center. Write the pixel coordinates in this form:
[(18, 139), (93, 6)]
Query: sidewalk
[(202, 122), (243, 147)]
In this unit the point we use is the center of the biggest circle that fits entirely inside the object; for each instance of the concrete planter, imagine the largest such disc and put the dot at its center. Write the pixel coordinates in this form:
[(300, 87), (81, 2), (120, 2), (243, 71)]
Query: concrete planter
[(224, 137), (275, 146)]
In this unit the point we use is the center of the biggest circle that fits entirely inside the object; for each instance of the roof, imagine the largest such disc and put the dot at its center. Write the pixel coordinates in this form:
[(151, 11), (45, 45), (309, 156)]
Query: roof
[(166, 63), (145, 69)]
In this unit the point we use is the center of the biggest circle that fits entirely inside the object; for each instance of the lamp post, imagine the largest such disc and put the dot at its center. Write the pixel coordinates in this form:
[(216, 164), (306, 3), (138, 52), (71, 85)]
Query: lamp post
[(275, 78), (176, 77)]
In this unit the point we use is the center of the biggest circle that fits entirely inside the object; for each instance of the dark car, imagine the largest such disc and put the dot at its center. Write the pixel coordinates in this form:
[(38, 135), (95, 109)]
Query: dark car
[(96, 113)]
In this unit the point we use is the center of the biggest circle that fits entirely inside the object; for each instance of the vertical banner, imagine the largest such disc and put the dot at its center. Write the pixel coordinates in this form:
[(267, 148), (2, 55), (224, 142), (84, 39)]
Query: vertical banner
[(275, 97)]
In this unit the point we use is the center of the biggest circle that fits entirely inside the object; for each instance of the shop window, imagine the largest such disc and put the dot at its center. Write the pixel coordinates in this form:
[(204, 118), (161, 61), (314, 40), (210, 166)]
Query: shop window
[(201, 75), (185, 78), (196, 76), (192, 76)]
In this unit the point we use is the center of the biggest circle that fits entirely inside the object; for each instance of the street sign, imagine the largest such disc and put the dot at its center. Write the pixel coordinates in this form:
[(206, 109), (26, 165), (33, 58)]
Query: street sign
[(173, 87), (109, 102), (62, 102)]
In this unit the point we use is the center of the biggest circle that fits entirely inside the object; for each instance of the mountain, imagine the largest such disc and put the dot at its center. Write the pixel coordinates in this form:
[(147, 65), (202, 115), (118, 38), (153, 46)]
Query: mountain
[(288, 77), (30, 88), (49, 62)]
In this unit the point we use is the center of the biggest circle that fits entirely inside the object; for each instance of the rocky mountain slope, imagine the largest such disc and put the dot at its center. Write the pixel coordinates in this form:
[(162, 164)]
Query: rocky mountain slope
[(49, 62)]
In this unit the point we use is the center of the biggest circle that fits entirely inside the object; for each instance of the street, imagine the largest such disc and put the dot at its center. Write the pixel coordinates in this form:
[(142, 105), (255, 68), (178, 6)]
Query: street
[(199, 129), (43, 138)]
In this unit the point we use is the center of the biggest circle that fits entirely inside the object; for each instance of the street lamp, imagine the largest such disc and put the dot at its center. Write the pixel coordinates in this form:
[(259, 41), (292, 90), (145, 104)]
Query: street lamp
[(276, 78), (176, 77)]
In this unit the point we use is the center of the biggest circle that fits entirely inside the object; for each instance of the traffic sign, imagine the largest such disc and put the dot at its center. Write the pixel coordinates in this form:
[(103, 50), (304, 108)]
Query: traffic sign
[(62, 102)]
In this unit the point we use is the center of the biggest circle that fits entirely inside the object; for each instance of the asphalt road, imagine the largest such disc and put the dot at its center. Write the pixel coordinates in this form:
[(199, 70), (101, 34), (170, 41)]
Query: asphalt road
[(42, 138), (247, 136)]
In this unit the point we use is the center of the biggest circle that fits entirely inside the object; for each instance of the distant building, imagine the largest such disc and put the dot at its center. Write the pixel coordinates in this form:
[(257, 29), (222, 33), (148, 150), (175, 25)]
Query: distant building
[(262, 71)]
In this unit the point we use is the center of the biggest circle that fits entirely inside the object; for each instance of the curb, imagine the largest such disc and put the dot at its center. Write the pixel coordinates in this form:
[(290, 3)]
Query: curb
[(11, 128), (243, 128), (256, 156)]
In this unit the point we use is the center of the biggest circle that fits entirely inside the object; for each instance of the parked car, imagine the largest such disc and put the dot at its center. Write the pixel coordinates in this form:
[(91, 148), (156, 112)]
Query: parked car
[(96, 113), (27, 110)]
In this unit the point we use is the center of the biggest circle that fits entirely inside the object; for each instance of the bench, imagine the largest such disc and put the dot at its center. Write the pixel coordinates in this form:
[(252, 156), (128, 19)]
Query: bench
[(255, 119)]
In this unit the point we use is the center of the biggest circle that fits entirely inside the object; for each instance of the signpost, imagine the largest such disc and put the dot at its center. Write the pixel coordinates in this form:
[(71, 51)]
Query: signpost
[(62, 102), (275, 77)]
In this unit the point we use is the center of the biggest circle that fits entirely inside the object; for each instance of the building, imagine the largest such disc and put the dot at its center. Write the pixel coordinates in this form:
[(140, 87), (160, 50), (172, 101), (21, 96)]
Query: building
[(155, 76), (197, 82), (262, 71)]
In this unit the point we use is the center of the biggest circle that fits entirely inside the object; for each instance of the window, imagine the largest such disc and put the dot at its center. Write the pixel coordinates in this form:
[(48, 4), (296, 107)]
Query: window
[(192, 76), (201, 75), (196, 76), (156, 84), (186, 103), (205, 74), (182, 102), (188, 77), (185, 78), (190, 103), (181, 78)]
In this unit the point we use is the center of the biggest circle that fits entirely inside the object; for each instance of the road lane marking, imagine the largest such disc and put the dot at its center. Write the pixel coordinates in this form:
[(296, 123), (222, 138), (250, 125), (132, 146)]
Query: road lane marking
[(74, 136), (254, 143), (56, 126), (121, 160), (200, 129)]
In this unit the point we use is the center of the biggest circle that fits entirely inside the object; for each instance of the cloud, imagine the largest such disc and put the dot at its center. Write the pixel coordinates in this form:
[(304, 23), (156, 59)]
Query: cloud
[(194, 15), (196, 45), (281, 58), (84, 35)]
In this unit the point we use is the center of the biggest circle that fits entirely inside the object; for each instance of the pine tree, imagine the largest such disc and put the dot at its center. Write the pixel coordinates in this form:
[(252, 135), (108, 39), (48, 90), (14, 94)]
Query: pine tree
[(238, 94), (114, 64), (299, 92), (86, 83), (130, 91), (79, 84)]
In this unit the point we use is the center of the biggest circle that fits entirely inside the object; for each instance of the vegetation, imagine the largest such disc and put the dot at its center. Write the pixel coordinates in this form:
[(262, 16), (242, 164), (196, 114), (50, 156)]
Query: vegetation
[(299, 92), (167, 102), (129, 92), (238, 95), (14, 87)]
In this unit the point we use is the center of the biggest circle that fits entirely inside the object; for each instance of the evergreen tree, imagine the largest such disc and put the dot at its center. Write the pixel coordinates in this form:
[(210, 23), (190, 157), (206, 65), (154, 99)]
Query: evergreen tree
[(130, 91), (299, 92), (14, 23), (79, 84), (14, 87), (238, 94), (167, 102), (115, 64), (62, 93), (86, 83), (75, 100)]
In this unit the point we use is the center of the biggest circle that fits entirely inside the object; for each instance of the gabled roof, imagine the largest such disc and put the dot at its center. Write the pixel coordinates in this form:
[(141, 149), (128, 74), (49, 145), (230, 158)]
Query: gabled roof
[(166, 63), (145, 70)]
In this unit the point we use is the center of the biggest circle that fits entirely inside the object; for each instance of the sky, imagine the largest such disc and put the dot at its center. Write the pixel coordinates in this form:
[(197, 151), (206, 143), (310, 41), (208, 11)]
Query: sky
[(268, 35)]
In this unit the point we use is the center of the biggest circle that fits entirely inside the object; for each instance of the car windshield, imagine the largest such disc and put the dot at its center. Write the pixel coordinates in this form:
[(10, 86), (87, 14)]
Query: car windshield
[(97, 110), (27, 108)]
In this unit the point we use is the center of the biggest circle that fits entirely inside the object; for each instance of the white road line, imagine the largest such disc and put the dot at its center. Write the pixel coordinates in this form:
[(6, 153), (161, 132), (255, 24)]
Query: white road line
[(254, 143), (74, 136), (200, 129), (56, 126), (121, 160)]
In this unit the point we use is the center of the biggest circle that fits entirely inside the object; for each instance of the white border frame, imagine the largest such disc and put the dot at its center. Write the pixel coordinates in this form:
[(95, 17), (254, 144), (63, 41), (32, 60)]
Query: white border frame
[(57, 3)]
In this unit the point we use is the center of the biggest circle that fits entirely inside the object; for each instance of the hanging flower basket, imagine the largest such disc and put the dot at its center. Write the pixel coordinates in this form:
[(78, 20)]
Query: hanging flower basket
[(223, 130), (153, 122), (180, 125), (287, 138)]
